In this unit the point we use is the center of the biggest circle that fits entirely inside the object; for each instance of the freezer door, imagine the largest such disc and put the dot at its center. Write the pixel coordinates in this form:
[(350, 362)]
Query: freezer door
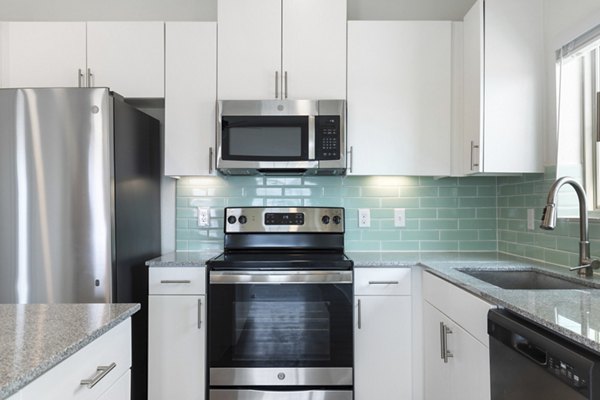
[(55, 203)]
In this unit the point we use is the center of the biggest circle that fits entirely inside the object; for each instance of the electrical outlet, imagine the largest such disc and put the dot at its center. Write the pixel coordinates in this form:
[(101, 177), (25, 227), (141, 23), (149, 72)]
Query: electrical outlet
[(399, 217), (530, 219), (364, 217), (203, 216)]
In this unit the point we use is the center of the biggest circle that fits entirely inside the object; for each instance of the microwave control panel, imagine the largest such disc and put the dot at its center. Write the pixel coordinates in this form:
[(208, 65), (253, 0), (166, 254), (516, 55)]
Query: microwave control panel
[(327, 137)]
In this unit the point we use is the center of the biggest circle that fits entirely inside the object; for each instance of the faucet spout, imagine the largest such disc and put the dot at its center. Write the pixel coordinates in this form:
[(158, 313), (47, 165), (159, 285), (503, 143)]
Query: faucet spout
[(586, 265)]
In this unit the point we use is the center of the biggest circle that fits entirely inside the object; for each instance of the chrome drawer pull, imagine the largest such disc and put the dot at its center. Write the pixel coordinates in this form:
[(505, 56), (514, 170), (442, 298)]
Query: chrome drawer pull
[(176, 281), (383, 282), (101, 372), (359, 315)]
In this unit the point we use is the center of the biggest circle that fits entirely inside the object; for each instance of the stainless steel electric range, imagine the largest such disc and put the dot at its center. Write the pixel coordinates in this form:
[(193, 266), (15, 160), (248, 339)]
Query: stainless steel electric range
[(280, 307)]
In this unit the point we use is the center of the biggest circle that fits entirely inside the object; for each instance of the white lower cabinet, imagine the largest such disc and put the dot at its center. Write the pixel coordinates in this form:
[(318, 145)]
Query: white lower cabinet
[(456, 350), (113, 349), (382, 334), (176, 334)]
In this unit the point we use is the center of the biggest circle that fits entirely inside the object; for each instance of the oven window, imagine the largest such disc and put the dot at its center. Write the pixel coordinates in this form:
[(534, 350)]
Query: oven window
[(308, 325), (264, 138)]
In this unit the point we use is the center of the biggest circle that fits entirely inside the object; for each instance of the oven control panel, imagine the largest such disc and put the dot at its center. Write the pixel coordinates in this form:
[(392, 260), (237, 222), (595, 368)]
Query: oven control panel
[(284, 219)]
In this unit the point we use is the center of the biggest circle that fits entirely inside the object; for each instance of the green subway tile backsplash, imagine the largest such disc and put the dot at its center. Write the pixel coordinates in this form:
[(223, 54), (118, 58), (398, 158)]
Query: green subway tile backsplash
[(529, 191), (447, 214)]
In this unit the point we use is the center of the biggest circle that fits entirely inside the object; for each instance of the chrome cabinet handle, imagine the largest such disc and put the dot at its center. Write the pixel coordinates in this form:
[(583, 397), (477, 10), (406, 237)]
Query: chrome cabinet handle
[(445, 331), (210, 160), (89, 77), (473, 163), (383, 282), (442, 341), (176, 281), (351, 156), (276, 84), (199, 313), (101, 372), (79, 78), (285, 86), (359, 316)]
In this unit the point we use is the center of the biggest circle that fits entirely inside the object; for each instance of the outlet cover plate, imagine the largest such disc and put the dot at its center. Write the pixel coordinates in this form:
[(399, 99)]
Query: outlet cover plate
[(364, 218), (203, 217)]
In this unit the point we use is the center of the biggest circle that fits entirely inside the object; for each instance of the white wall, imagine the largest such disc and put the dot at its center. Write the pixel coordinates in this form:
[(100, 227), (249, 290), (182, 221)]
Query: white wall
[(206, 10), (564, 20)]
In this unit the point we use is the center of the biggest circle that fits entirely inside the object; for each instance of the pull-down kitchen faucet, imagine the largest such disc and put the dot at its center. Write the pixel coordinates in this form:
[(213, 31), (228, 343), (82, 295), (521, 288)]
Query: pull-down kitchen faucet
[(586, 264)]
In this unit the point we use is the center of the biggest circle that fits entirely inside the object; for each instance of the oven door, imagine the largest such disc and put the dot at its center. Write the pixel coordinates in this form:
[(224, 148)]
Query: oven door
[(275, 328)]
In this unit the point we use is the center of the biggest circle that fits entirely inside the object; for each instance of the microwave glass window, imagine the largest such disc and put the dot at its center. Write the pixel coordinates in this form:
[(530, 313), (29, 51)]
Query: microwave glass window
[(259, 141)]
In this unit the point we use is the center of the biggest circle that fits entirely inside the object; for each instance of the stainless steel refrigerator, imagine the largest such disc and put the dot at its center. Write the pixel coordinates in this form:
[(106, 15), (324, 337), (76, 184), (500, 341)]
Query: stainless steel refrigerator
[(79, 199)]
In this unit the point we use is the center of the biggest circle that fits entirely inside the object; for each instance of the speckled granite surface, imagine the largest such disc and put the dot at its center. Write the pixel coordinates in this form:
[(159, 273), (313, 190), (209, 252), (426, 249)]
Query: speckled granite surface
[(182, 259), (572, 313), (36, 337)]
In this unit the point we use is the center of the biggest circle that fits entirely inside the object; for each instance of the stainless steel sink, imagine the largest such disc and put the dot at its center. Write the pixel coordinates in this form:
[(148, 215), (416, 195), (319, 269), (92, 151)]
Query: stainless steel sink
[(526, 279)]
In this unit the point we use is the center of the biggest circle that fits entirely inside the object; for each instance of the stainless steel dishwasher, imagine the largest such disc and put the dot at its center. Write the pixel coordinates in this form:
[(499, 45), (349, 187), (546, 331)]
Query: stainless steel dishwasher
[(528, 362)]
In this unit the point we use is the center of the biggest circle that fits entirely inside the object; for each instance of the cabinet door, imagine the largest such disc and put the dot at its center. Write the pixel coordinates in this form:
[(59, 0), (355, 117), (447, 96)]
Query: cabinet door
[(382, 345), (42, 54), (437, 373), (127, 57), (473, 89), (176, 347), (120, 390), (314, 49), (249, 54), (514, 74), (191, 94), (399, 97), (469, 366), (503, 86)]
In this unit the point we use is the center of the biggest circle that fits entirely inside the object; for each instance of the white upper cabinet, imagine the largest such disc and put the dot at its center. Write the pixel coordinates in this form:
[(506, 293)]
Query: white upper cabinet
[(190, 100), (314, 49), (42, 54), (399, 97), (277, 49), (503, 87), (127, 57)]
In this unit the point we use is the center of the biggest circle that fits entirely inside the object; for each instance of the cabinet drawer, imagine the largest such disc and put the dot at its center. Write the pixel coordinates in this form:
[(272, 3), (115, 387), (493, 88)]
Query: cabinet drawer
[(382, 281), (464, 308), (64, 380), (177, 281)]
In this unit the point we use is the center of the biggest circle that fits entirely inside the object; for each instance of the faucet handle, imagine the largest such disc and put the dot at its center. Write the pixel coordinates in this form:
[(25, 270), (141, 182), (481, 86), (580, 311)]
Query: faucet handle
[(589, 263)]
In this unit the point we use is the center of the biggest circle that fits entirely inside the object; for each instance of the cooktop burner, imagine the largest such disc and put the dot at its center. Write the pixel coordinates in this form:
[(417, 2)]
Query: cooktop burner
[(279, 260)]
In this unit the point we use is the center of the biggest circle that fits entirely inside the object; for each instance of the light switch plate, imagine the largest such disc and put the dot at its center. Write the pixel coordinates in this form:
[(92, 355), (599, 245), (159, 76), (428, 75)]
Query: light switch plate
[(203, 216), (399, 217), (530, 219), (364, 218)]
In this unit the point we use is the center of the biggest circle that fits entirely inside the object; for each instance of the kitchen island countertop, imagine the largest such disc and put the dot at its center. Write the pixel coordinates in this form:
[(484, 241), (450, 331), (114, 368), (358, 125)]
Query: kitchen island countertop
[(36, 337)]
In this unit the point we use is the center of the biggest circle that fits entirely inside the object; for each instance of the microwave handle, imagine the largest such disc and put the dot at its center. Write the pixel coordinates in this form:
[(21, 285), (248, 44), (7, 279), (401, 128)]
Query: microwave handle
[(351, 157), (210, 160), (276, 84)]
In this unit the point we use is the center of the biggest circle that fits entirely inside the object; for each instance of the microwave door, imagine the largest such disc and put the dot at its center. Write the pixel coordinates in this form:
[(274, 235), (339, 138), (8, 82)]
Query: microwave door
[(265, 138)]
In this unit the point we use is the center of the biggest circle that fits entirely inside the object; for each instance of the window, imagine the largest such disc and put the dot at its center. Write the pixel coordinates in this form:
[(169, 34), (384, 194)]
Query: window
[(578, 95)]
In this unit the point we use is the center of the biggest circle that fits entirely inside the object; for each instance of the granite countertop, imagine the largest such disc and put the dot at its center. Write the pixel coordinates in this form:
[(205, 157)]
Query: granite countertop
[(183, 259), (36, 337), (573, 313)]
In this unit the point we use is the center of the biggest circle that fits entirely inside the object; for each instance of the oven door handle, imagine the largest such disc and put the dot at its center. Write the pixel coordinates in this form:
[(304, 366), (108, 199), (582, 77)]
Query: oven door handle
[(280, 277)]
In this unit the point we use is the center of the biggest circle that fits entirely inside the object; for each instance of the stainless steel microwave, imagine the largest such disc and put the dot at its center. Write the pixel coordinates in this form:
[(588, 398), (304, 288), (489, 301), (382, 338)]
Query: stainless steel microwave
[(285, 137)]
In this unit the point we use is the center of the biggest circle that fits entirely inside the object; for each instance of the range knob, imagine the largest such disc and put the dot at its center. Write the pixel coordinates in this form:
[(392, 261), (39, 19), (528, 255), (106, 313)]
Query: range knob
[(242, 219), (337, 219), (231, 219), (325, 219)]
